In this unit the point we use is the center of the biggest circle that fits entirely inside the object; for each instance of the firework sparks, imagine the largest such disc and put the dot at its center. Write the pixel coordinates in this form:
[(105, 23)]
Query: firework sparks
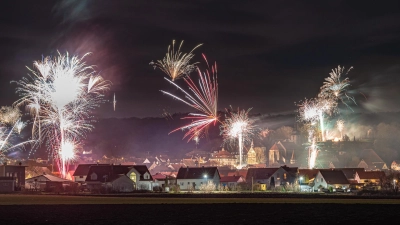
[(61, 93), (10, 126), (19, 126), (312, 150), (204, 99), (335, 87), (238, 126), (175, 63), (340, 126)]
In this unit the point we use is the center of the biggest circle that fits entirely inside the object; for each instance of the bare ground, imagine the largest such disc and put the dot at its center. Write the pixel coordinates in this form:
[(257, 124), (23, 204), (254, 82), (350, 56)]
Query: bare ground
[(199, 214)]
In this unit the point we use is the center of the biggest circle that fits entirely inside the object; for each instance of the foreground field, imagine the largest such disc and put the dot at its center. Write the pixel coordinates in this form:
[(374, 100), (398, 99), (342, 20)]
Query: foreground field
[(200, 214), (179, 199)]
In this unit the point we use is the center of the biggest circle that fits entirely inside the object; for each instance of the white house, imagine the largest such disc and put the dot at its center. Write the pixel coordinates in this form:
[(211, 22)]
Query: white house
[(331, 178), (141, 176), (190, 178)]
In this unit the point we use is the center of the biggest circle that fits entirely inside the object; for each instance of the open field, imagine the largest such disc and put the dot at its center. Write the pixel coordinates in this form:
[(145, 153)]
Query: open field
[(183, 209), (175, 199), (200, 214)]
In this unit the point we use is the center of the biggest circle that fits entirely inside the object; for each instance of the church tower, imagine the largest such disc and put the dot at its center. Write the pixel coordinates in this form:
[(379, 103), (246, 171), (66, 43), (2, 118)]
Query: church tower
[(251, 155)]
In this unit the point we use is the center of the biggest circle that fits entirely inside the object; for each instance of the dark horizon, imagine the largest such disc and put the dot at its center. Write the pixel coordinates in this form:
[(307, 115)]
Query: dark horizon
[(269, 54)]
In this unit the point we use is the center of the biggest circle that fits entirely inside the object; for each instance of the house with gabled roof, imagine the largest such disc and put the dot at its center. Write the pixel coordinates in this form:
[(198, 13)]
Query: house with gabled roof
[(141, 176), (282, 153), (223, 158), (231, 181), (191, 178), (111, 177), (371, 161), (260, 176), (369, 177), (81, 172), (272, 177), (331, 178), (46, 182)]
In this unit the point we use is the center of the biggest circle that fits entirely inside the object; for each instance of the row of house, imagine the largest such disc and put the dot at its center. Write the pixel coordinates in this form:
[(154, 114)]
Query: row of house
[(191, 178)]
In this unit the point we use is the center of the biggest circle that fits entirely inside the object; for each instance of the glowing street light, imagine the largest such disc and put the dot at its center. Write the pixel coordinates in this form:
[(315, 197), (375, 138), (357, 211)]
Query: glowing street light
[(206, 177)]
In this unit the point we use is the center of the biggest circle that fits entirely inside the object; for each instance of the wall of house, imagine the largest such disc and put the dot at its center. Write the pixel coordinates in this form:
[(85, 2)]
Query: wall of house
[(186, 184), (39, 184), (318, 182), (14, 171), (282, 179), (80, 179), (122, 184), (7, 186)]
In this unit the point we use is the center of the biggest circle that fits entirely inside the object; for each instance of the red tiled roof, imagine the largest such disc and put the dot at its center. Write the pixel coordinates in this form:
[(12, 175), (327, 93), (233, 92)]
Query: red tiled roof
[(230, 179), (370, 174)]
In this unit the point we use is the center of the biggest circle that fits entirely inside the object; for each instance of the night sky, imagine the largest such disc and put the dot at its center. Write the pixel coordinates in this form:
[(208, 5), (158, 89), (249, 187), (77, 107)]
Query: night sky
[(269, 53)]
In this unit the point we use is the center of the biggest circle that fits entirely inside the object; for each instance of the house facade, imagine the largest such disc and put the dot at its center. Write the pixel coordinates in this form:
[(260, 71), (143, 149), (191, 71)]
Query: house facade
[(369, 177), (109, 177), (46, 182), (231, 182), (15, 171), (330, 178), (191, 178), (141, 176)]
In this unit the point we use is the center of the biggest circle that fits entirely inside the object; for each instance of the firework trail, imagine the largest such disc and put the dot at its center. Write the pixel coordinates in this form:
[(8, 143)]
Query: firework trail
[(238, 126), (340, 126), (334, 87), (204, 99), (175, 63), (114, 102), (60, 95), (313, 110)]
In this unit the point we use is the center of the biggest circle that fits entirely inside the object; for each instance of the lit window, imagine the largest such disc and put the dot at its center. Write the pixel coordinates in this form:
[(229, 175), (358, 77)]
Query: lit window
[(133, 177), (284, 176)]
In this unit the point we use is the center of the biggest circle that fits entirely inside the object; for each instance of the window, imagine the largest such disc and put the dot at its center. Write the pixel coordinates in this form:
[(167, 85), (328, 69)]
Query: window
[(80, 176), (322, 180), (188, 183), (93, 176), (133, 177), (284, 176), (182, 183), (201, 182)]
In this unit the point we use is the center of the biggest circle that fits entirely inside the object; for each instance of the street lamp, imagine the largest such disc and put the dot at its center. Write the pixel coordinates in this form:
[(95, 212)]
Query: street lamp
[(206, 177)]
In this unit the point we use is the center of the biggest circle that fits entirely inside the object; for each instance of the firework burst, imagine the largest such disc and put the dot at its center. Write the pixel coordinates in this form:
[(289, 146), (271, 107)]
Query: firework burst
[(175, 63), (335, 86), (238, 126), (204, 98), (10, 127), (60, 95)]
